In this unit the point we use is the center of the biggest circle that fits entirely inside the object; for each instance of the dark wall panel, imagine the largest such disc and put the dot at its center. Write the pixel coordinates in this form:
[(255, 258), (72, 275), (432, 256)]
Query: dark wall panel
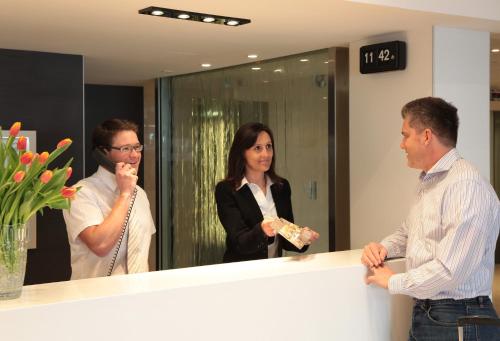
[(103, 102), (45, 92)]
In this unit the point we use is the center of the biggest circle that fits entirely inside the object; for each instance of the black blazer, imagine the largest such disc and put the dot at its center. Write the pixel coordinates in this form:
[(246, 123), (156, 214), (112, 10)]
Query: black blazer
[(241, 217)]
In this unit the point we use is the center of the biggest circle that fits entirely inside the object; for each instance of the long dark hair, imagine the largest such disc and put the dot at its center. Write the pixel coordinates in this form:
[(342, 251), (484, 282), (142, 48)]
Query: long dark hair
[(244, 139)]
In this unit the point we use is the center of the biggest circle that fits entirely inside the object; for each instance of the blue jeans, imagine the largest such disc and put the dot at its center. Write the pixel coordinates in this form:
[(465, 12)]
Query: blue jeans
[(436, 320)]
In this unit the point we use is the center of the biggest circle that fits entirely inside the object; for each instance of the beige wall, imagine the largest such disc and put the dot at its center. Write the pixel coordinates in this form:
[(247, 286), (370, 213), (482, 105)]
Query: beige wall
[(381, 183)]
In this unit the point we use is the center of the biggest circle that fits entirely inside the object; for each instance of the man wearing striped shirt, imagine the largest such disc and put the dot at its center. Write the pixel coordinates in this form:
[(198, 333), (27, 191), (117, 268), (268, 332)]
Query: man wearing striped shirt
[(449, 235)]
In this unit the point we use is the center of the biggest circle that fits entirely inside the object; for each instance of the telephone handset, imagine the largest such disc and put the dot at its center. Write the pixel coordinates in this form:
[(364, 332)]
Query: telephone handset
[(109, 165), (103, 160)]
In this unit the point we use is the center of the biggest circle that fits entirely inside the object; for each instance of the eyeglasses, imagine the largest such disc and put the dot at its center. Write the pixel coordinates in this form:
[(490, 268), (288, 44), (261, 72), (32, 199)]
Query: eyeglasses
[(128, 148)]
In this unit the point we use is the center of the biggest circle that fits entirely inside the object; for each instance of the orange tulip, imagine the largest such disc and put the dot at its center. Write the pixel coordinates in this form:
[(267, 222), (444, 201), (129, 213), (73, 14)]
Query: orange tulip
[(14, 129), (63, 143), (46, 176), (21, 143), (19, 176), (26, 158), (69, 171), (42, 158), (68, 192)]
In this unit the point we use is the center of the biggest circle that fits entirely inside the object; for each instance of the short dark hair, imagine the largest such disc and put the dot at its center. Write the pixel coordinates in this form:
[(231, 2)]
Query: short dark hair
[(244, 139), (434, 113), (103, 134)]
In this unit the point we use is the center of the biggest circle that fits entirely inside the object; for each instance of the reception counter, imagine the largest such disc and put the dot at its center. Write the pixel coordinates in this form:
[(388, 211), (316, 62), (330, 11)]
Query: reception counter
[(315, 297)]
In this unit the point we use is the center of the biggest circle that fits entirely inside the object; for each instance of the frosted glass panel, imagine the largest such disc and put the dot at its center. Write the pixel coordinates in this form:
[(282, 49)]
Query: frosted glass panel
[(289, 95)]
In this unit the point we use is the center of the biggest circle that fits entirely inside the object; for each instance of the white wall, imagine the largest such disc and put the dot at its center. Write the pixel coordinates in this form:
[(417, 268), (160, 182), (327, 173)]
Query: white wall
[(381, 184), (462, 76), (445, 62)]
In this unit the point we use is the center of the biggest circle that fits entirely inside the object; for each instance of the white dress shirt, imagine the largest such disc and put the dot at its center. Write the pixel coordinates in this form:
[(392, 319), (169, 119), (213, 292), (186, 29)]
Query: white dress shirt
[(92, 204), (449, 236), (267, 207)]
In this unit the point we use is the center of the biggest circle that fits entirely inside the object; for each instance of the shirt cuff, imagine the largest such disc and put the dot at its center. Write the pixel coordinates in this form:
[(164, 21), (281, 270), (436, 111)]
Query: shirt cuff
[(387, 247), (396, 284)]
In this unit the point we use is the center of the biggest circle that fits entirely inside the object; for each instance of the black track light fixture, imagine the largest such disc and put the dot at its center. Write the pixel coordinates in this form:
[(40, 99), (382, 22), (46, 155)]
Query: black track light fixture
[(194, 16)]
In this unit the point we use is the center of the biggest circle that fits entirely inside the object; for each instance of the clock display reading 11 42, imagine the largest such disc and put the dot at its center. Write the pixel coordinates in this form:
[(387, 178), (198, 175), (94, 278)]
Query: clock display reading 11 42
[(382, 57)]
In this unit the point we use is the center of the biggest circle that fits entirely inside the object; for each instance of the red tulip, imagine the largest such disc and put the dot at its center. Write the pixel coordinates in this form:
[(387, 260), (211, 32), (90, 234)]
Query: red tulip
[(19, 176), (26, 158), (63, 143), (14, 129), (46, 176), (42, 158), (68, 192), (69, 171), (21, 143)]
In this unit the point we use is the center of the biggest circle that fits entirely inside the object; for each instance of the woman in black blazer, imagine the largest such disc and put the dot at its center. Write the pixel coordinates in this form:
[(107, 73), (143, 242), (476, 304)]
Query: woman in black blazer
[(251, 195)]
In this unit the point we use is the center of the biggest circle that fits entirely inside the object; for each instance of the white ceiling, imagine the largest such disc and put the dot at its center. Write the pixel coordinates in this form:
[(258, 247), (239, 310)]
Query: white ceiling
[(122, 47)]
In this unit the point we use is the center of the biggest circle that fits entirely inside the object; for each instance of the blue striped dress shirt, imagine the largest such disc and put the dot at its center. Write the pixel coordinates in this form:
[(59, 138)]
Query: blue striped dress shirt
[(449, 235)]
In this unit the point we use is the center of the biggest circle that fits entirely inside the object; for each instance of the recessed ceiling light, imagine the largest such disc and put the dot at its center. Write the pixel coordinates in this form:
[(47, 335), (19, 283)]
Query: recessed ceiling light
[(265, 81), (206, 65), (194, 16), (252, 56), (255, 68), (278, 70), (167, 71), (304, 60), (495, 50)]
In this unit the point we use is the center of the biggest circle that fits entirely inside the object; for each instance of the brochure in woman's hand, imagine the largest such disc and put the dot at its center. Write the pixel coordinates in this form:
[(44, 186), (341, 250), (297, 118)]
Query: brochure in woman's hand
[(291, 232)]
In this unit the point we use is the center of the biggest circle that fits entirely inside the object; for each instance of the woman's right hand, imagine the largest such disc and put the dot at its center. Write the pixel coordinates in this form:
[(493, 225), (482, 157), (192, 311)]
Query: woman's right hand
[(268, 230)]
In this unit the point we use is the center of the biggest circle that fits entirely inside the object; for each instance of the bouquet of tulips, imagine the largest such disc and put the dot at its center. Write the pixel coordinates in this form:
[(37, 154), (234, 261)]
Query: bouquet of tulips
[(27, 185)]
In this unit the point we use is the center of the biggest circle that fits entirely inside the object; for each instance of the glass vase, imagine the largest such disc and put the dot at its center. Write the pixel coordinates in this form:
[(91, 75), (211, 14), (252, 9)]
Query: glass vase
[(13, 251)]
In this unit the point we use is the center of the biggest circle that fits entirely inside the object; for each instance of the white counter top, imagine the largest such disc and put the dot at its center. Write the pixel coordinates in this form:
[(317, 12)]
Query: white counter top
[(51, 293)]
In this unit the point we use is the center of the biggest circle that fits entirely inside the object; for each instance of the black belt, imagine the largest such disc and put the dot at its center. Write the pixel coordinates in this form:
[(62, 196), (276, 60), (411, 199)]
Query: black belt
[(474, 300)]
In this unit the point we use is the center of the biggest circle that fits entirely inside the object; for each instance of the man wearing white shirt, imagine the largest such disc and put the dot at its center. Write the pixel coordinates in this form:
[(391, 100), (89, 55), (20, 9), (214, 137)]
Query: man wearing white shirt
[(110, 224), (449, 235)]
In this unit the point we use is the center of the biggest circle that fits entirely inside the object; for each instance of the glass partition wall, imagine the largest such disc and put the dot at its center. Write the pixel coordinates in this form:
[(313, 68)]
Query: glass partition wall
[(291, 96)]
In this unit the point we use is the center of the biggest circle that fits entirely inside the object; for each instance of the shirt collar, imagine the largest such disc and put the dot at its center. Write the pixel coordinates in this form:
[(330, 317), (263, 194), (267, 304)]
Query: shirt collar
[(107, 178), (444, 163), (244, 182)]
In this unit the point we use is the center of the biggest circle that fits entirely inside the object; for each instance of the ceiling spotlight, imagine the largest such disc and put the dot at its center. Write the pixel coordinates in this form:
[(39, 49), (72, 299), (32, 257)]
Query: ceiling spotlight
[(278, 70), (304, 60), (252, 56), (194, 16), (256, 68), (206, 65), (495, 50)]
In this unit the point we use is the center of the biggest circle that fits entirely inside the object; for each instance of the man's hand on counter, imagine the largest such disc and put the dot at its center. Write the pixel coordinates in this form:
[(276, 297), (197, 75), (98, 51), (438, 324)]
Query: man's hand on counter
[(373, 255), (379, 276)]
